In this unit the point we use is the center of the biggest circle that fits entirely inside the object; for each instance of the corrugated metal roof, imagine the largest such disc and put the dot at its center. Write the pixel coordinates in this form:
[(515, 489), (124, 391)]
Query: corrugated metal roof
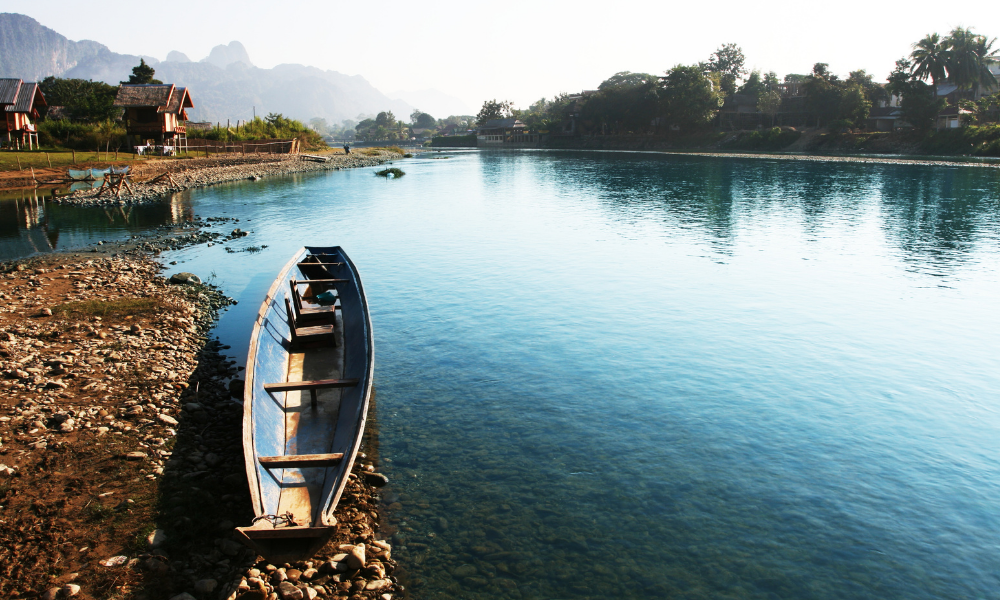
[(28, 98), (8, 90), (149, 95)]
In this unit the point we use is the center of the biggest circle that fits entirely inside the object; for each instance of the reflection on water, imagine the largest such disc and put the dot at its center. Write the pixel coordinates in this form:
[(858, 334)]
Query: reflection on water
[(32, 222), (625, 375)]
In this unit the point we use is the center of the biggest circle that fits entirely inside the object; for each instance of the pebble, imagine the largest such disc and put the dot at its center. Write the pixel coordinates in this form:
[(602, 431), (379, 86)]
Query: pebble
[(50, 594), (70, 589), (205, 586), (183, 596), (156, 538), (165, 418)]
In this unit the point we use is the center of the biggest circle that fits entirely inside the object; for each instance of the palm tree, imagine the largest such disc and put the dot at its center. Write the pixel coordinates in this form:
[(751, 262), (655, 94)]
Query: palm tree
[(930, 59), (987, 56), (969, 57)]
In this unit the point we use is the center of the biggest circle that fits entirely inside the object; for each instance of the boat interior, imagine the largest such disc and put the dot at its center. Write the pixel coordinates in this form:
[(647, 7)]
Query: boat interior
[(300, 432)]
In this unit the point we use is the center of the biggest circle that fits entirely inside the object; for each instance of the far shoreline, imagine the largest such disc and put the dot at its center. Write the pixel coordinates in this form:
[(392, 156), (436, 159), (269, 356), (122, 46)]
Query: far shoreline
[(941, 161)]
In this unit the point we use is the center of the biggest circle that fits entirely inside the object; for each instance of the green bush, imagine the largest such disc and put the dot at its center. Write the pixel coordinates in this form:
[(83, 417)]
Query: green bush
[(273, 126), (769, 139), (81, 136)]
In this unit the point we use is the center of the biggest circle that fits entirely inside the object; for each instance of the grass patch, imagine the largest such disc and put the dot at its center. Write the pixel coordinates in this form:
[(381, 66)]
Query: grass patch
[(377, 150), (394, 172), (120, 307), (97, 512)]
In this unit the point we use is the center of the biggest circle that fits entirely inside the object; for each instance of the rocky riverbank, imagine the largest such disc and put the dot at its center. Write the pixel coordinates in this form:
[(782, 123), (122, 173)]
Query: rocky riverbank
[(121, 459), (159, 178)]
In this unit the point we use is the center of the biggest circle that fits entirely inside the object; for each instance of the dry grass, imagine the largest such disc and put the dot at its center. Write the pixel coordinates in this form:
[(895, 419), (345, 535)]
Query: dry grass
[(120, 307), (377, 150)]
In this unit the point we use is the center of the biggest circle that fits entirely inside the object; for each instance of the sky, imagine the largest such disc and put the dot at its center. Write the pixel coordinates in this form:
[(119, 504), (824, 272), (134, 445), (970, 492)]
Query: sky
[(517, 50)]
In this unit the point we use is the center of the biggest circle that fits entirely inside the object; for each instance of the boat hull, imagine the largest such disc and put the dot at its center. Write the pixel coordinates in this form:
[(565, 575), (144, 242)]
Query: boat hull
[(288, 432)]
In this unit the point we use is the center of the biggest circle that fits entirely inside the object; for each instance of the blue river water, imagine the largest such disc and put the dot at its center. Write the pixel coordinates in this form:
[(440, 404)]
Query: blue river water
[(633, 375)]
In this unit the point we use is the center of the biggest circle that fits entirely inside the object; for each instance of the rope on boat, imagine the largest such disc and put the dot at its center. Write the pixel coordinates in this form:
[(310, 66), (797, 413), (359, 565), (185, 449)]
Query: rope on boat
[(287, 519)]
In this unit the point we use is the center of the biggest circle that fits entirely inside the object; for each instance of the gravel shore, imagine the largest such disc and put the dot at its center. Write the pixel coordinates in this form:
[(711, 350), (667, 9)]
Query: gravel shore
[(121, 458), (167, 176)]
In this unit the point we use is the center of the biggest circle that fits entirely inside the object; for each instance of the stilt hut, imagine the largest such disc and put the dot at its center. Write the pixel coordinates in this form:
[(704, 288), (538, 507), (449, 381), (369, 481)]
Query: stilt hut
[(20, 102), (155, 112)]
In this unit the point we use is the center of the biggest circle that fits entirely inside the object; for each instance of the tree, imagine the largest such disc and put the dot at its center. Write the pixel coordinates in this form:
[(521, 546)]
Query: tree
[(625, 102), (386, 119), (771, 82), (968, 58), (689, 97), (873, 92), (921, 105), (89, 101), (753, 86), (728, 62), (769, 103), (319, 125), (142, 73), (929, 59), (823, 93), (494, 110), (854, 105), (425, 121), (900, 77)]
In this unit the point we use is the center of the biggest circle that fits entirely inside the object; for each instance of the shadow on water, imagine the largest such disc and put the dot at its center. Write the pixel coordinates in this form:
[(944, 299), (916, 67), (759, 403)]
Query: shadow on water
[(36, 223)]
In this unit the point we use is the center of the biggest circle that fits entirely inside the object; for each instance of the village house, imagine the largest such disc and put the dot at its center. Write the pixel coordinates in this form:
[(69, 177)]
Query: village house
[(20, 103), (507, 133), (155, 113)]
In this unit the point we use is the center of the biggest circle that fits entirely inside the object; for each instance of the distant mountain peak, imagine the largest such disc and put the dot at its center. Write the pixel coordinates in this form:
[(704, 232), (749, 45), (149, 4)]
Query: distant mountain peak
[(222, 55), (175, 56)]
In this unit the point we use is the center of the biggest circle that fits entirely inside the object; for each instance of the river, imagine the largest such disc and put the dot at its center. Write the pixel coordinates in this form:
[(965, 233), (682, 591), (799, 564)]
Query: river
[(631, 375)]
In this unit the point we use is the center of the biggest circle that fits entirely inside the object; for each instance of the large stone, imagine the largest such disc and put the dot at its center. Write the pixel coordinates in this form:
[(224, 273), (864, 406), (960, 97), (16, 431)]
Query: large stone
[(203, 587), (185, 278), (50, 594), (156, 538), (377, 584), (376, 479), (356, 557), (167, 419), (288, 591)]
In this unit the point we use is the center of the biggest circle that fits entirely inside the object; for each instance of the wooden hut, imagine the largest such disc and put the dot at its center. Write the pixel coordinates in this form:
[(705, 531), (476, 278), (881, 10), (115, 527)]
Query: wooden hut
[(509, 133), (20, 102), (155, 112)]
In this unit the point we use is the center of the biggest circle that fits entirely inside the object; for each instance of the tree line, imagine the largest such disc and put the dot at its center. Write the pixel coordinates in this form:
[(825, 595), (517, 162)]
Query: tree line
[(690, 97)]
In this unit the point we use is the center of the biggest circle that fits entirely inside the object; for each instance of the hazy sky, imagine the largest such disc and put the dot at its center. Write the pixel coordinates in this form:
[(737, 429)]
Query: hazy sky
[(517, 49)]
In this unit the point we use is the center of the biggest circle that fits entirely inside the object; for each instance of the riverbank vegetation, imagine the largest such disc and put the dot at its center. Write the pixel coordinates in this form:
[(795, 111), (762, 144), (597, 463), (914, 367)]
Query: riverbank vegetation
[(945, 82)]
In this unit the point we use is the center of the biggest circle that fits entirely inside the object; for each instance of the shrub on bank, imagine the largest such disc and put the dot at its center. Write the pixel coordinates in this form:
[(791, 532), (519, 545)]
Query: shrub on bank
[(81, 136), (454, 141), (274, 126), (982, 140), (769, 139)]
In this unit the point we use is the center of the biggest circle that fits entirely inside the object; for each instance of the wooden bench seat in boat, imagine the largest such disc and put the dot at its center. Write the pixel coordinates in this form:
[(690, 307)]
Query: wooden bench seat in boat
[(296, 461), (315, 335), (312, 386), (307, 314)]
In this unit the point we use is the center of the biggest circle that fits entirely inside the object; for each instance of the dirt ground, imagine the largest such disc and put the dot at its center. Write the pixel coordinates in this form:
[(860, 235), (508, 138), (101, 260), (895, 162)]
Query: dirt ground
[(143, 168), (121, 459)]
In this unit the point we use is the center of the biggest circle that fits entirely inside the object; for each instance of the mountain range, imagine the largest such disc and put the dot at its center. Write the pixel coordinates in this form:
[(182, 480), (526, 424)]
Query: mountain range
[(224, 85)]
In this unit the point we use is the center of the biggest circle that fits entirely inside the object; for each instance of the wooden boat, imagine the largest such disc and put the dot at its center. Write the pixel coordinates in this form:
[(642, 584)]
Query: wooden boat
[(308, 386), (87, 174)]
